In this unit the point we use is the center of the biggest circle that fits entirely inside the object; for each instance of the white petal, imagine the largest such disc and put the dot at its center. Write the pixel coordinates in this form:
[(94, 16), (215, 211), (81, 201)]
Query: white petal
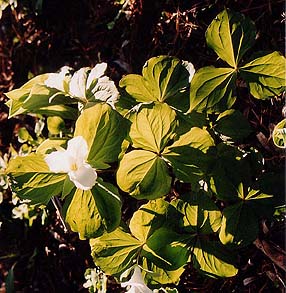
[(78, 83), (105, 90), (84, 177), (136, 282), (55, 80), (59, 161), (78, 149), (190, 67), (96, 73)]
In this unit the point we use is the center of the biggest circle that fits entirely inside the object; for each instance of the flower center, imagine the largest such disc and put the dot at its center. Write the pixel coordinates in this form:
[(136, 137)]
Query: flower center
[(73, 167)]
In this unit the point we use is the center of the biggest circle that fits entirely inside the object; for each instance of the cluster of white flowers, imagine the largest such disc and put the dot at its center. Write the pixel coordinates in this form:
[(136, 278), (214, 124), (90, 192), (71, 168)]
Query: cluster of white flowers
[(86, 84), (95, 281)]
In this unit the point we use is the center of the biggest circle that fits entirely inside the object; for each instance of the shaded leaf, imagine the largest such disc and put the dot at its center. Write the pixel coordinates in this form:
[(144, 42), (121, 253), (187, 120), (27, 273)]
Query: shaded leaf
[(232, 125)]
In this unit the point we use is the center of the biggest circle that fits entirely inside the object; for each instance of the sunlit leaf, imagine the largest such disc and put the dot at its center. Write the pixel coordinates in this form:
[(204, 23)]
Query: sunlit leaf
[(265, 75), (114, 252), (214, 259), (152, 127), (104, 130), (148, 219), (164, 78), (143, 174), (230, 35), (32, 179), (212, 89)]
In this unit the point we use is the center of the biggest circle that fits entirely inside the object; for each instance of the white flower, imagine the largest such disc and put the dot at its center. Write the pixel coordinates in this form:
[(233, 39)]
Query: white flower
[(59, 80), (77, 86), (106, 91), (190, 67), (73, 162), (96, 73), (136, 283), (20, 212)]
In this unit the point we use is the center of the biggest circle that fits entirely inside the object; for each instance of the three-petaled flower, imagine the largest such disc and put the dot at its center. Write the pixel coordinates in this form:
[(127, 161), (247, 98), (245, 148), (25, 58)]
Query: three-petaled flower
[(73, 162), (136, 283)]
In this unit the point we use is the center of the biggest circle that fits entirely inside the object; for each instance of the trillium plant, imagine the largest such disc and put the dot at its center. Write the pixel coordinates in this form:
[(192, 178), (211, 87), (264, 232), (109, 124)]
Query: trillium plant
[(170, 146)]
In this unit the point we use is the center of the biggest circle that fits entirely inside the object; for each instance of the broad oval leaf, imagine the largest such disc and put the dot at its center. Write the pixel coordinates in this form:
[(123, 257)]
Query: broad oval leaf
[(143, 174), (83, 216), (160, 275), (164, 79), (166, 249), (214, 259), (152, 127), (212, 89), (200, 214), (265, 75), (104, 130), (187, 155), (114, 252), (148, 218), (108, 203), (230, 35), (232, 126), (239, 225), (31, 179)]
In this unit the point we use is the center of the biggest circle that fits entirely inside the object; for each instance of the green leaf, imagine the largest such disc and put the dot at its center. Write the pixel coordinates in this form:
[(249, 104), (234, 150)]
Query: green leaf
[(200, 214), (83, 216), (240, 221), (265, 75), (50, 145), (114, 252), (137, 87), (230, 35), (17, 97), (230, 168), (214, 259), (187, 155), (143, 174), (148, 219), (42, 96), (160, 275), (152, 127), (212, 89), (55, 125), (232, 126), (94, 211), (104, 130), (239, 225), (279, 134), (166, 249), (32, 179), (108, 203), (66, 112), (164, 78)]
